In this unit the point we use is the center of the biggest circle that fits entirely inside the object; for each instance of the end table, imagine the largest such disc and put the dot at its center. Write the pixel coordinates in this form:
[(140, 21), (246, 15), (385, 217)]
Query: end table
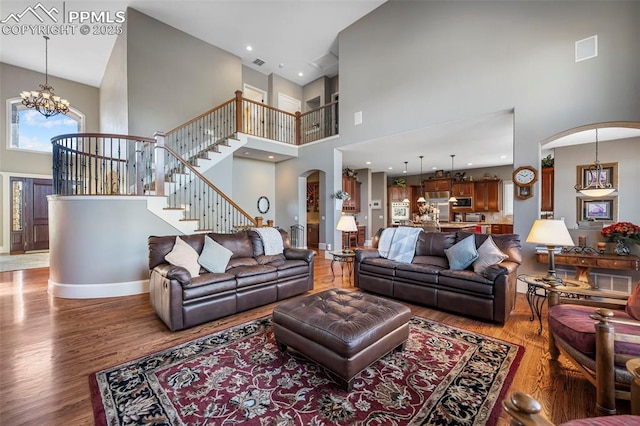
[(344, 257)]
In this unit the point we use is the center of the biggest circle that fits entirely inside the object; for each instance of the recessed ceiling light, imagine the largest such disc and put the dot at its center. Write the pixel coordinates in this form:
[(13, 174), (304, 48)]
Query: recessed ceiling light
[(469, 164), (300, 74), (246, 153), (390, 168), (368, 162), (271, 156), (249, 48), (434, 168), (503, 156)]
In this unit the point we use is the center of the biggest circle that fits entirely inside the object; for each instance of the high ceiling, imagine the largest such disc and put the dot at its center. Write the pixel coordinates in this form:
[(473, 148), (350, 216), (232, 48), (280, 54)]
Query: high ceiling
[(291, 36)]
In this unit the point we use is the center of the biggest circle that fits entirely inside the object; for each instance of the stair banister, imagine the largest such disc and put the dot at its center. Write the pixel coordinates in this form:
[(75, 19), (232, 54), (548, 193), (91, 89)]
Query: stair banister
[(159, 162)]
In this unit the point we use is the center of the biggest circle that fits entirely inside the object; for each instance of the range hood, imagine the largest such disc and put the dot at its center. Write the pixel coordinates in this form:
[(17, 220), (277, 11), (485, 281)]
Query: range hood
[(437, 195)]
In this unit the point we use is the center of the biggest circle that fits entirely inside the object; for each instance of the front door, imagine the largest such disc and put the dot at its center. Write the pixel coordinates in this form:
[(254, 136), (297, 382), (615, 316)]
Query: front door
[(29, 214)]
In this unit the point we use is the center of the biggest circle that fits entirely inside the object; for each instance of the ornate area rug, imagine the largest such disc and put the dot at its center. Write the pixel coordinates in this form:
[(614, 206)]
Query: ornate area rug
[(445, 376)]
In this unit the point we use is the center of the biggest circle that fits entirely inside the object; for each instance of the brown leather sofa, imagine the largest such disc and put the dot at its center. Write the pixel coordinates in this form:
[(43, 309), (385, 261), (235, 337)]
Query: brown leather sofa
[(251, 278), (429, 281)]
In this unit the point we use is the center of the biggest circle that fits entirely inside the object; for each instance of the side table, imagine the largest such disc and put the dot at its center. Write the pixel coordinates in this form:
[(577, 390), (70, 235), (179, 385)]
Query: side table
[(343, 257), (537, 289)]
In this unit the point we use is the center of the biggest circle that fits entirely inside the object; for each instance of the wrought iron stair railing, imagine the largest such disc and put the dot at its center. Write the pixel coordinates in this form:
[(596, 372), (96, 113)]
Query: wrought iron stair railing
[(112, 164)]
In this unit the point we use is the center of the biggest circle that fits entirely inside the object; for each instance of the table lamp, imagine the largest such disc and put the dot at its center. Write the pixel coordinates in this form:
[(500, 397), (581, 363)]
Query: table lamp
[(347, 224), (551, 233)]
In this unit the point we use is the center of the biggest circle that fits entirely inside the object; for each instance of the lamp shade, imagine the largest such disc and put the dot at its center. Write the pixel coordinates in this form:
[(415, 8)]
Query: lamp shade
[(347, 223), (550, 232)]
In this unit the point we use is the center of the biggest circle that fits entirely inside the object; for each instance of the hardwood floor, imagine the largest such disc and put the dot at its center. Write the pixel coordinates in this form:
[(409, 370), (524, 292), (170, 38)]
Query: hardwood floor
[(49, 346)]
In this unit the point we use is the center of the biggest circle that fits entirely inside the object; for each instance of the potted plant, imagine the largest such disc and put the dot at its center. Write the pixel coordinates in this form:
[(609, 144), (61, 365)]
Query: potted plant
[(622, 233)]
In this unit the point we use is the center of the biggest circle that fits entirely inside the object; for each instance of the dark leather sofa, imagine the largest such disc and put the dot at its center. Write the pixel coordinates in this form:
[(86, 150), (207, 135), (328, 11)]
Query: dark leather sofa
[(251, 278), (429, 281)]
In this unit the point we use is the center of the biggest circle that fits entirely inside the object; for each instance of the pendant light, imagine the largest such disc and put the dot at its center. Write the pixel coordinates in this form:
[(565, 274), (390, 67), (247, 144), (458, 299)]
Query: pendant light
[(452, 199), (406, 195), (596, 185), (45, 101), (421, 199)]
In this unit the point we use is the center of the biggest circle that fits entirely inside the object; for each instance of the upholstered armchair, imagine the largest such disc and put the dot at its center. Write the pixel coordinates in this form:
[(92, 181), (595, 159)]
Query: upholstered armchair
[(600, 339), (527, 411)]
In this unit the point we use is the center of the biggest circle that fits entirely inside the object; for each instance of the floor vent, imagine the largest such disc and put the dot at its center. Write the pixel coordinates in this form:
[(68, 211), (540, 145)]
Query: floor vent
[(259, 62)]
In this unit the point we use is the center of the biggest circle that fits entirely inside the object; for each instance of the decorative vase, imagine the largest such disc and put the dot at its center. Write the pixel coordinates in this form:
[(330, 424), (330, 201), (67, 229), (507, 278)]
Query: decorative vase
[(621, 249)]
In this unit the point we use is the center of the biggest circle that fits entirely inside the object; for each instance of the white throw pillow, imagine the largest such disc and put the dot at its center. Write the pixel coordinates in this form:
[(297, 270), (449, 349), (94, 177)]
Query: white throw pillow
[(214, 257), (182, 254), (488, 254)]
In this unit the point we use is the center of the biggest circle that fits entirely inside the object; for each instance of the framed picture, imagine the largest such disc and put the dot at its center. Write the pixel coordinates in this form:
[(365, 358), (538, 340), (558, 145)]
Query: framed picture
[(439, 173), (602, 210), (586, 174), (376, 204)]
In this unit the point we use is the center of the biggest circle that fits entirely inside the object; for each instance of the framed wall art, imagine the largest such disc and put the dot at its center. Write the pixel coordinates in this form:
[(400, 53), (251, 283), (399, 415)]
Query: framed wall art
[(587, 175), (604, 209)]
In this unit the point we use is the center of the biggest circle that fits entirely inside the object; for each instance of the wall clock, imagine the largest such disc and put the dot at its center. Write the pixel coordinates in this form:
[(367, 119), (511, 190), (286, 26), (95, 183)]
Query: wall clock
[(523, 179)]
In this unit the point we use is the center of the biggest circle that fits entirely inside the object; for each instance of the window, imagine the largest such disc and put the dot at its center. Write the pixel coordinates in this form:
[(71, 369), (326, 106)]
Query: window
[(32, 131)]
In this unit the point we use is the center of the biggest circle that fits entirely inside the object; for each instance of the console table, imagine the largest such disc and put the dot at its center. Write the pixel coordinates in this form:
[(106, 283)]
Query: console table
[(583, 262)]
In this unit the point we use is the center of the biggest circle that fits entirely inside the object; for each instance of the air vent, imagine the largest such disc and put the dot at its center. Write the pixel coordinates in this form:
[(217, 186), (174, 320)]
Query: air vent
[(587, 48), (259, 62)]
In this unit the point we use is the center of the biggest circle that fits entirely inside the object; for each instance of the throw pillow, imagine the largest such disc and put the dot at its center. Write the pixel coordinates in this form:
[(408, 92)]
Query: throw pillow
[(462, 254), (633, 303), (182, 254), (488, 254), (214, 257)]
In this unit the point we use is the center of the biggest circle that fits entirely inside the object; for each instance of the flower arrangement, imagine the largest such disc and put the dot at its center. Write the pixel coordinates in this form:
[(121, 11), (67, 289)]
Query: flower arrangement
[(341, 195), (622, 231)]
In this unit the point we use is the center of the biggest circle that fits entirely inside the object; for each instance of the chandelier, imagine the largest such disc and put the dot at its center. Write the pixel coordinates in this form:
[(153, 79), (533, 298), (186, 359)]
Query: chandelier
[(596, 185), (45, 101)]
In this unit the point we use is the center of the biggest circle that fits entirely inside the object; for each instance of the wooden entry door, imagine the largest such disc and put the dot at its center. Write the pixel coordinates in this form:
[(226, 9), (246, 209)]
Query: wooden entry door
[(29, 214)]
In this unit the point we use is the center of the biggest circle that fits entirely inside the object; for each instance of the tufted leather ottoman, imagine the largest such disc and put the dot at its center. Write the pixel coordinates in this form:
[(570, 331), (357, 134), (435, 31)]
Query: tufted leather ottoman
[(343, 331)]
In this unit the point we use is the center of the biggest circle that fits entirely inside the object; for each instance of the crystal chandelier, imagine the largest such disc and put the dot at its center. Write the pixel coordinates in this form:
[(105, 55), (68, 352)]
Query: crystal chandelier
[(45, 101), (596, 185)]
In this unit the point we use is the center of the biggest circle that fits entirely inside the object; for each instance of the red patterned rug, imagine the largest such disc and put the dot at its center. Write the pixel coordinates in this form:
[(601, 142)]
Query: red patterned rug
[(445, 376)]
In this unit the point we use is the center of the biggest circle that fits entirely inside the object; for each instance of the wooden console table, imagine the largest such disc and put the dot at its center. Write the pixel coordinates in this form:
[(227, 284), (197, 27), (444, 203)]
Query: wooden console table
[(583, 263)]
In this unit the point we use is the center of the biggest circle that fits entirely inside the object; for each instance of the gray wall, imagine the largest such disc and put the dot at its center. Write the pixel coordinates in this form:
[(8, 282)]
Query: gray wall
[(251, 180), (379, 192), (14, 80), (114, 105), (279, 84), (456, 60), (256, 79), (172, 76), (84, 262)]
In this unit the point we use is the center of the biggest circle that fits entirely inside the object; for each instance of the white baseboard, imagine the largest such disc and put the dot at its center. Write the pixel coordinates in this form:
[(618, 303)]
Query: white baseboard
[(97, 291)]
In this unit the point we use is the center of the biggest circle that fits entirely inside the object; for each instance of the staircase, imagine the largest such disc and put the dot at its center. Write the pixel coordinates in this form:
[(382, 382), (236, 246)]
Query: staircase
[(186, 191), (170, 168)]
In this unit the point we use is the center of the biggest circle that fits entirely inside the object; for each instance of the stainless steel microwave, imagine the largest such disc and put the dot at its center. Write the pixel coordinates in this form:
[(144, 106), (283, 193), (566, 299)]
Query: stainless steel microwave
[(463, 202)]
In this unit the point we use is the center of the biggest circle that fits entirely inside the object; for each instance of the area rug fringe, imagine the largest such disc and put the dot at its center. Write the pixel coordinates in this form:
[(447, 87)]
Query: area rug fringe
[(445, 375)]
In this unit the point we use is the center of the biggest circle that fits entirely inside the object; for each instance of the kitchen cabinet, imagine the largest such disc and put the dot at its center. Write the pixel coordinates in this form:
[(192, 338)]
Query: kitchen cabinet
[(352, 187), (502, 228), (547, 189), (395, 194), (486, 195), (313, 235), (463, 189), (437, 185)]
